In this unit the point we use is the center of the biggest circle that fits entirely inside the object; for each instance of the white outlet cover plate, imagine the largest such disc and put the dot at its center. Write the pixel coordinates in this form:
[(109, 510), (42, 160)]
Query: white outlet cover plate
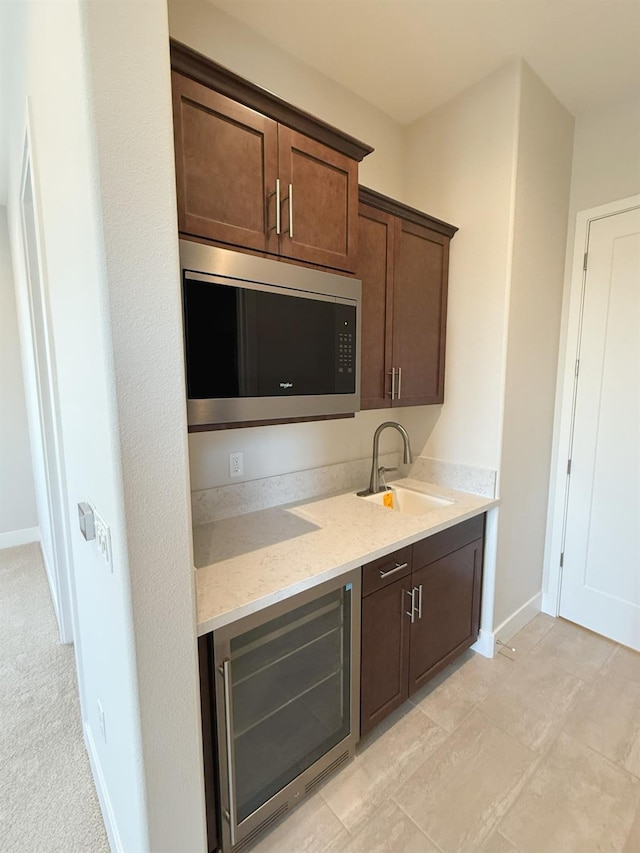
[(103, 539), (236, 464)]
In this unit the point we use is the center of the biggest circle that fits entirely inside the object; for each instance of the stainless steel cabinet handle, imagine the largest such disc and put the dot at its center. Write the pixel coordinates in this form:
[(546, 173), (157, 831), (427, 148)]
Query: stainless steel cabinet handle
[(396, 568), (278, 223), (420, 602), (231, 814), (392, 374), (411, 612), (399, 382), (291, 211)]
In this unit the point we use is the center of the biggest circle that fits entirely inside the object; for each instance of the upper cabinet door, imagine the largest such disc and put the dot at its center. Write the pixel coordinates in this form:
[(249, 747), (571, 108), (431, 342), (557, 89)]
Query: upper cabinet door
[(375, 267), (419, 313), (226, 159), (319, 200), (404, 265)]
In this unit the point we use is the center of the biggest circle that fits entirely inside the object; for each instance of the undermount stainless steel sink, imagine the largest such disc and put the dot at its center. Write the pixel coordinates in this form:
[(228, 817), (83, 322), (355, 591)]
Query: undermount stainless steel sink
[(407, 501)]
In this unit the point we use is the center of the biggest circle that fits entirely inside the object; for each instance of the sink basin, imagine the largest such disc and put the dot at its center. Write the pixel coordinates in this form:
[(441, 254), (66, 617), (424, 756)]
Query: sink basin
[(408, 501)]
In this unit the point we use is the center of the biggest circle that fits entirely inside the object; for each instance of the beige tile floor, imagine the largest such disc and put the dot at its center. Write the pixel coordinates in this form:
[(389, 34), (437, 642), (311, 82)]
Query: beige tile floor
[(532, 752)]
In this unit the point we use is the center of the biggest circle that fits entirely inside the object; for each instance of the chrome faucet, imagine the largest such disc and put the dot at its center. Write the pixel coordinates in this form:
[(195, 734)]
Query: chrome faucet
[(374, 482)]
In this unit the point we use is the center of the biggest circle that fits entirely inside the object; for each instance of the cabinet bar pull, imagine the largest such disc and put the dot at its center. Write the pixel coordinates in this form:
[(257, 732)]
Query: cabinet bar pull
[(291, 211), (420, 602), (411, 612), (392, 374), (396, 568), (399, 382), (278, 223), (231, 814)]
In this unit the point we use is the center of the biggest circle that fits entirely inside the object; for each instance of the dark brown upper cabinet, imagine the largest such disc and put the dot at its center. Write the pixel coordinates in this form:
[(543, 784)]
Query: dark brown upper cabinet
[(404, 265), (320, 188), (257, 174), (226, 161)]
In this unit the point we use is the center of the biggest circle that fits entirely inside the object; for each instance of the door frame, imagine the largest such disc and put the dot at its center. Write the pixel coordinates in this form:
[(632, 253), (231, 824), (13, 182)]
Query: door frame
[(47, 428), (566, 398)]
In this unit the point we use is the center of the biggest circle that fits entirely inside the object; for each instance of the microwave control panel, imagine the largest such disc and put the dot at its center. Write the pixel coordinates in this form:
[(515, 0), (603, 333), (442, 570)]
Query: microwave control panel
[(346, 357), (346, 349)]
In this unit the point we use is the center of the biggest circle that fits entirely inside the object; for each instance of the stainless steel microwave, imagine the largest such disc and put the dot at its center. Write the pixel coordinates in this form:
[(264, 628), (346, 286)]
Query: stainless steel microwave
[(266, 340)]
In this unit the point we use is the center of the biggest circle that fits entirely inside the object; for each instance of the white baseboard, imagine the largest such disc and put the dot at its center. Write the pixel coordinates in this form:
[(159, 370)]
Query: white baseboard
[(103, 795), (487, 640), (485, 644), (519, 619), (19, 537)]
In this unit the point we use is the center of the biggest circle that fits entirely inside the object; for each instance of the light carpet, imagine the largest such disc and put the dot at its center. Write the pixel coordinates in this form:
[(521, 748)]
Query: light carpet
[(48, 800)]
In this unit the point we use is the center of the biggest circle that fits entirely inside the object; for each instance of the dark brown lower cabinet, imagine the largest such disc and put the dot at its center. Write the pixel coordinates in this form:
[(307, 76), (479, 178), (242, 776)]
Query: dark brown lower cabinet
[(450, 612), (207, 707), (418, 621), (385, 668)]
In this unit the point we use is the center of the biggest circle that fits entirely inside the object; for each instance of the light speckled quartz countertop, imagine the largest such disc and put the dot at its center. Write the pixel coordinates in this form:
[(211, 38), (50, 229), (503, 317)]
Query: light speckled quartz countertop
[(251, 561)]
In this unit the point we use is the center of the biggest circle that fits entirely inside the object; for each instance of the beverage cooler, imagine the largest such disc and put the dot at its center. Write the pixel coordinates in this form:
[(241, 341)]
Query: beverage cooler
[(287, 700)]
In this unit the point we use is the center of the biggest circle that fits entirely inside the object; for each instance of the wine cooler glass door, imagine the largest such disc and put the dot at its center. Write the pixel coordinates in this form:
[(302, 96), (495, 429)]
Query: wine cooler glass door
[(287, 697)]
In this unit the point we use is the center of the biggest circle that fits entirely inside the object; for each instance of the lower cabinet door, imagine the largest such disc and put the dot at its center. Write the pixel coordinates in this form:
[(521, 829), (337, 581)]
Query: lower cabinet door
[(384, 652), (448, 603)]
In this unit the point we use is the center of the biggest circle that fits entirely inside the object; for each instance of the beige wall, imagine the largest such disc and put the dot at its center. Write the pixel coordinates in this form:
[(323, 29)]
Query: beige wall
[(273, 450), (606, 156), (460, 167), (543, 173)]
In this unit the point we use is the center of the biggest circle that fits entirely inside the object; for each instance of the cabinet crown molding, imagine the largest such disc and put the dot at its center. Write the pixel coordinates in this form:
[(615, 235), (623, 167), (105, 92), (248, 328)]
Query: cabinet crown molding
[(410, 214), (203, 70)]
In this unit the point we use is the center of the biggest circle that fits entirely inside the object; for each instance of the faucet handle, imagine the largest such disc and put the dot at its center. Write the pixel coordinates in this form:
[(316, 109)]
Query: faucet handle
[(381, 472)]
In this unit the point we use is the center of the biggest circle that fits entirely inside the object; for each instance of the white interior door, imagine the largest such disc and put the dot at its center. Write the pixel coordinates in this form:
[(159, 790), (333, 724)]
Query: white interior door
[(51, 505), (600, 586)]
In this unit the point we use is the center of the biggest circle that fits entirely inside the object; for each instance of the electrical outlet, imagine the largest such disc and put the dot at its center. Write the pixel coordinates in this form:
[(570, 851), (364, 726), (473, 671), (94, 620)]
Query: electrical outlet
[(103, 539), (101, 722), (236, 465)]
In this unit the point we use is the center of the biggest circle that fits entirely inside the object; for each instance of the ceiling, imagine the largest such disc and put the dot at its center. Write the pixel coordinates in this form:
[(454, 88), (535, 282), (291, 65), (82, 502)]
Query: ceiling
[(408, 56)]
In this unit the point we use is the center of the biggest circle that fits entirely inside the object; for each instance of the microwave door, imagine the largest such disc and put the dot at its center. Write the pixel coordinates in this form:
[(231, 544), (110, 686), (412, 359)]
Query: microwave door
[(296, 345), (247, 353)]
